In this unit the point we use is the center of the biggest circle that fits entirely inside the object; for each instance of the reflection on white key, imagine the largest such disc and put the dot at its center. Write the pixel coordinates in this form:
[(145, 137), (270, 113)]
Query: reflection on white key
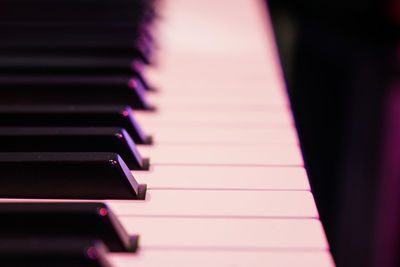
[(223, 177), (281, 155), (221, 258), (223, 233), (216, 135), (230, 203)]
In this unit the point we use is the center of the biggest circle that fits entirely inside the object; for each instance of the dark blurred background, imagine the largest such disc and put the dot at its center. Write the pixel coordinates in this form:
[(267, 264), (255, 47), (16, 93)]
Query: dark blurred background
[(341, 64)]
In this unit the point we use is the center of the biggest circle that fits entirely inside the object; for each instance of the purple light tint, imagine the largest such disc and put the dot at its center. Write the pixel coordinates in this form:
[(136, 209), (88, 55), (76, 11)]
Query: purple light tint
[(103, 212), (119, 135), (113, 162), (125, 113), (92, 253), (388, 219), (137, 86), (394, 11), (137, 66), (132, 83), (398, 52)]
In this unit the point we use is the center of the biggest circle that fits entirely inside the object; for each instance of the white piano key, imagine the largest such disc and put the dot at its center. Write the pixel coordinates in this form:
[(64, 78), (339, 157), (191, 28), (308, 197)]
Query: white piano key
[(165, 134), (217, 203), (257, 86), (221, 118), (221, 258), (202, 102), (225, 233), (229, 35), (172, 100), (207, 154), (223, 177)]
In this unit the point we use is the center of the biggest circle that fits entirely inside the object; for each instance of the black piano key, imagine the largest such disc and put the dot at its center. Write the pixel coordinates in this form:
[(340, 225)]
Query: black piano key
[(74, 116), (66, 65), (144, 82), (77, 27), (52, 251), (119, 31), (75, 49), (72, 139), (72, 65), (90, 175), (84, 45), (78, 11), (107, 42), (89, 220), (72, 90)]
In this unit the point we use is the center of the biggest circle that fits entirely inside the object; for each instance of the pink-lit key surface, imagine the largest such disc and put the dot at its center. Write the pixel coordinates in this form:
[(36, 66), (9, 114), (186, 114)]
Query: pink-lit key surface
[(229, 118), (223, 258), (226, 233), (216, 102), (167, 134), (227, 185), (219, 203), (224, 177), (224, 154)]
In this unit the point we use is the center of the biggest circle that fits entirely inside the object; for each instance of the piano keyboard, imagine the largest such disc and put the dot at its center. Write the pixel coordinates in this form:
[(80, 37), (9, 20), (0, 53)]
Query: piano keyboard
[(226, 184)]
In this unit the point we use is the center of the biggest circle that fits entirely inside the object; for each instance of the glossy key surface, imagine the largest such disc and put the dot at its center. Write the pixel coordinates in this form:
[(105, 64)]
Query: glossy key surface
[(53, 251), (46, 220), (74, 116), (72, 139), (79, 175), (72, 90)]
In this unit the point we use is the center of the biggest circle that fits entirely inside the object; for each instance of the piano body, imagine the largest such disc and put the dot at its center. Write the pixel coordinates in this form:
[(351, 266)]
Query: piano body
[(226, 184)]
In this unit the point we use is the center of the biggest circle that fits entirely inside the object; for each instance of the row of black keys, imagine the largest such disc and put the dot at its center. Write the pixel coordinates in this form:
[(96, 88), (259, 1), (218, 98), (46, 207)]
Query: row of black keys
[(103, 28), (101, 149), (67, 152), (95, 141), (70, 75)]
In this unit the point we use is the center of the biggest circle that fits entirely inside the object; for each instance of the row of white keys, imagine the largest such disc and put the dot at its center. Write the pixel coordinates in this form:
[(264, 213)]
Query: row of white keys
[(227, 185)]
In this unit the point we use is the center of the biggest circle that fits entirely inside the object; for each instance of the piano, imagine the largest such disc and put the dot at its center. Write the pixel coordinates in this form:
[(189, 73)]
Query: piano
[(226, 184)]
